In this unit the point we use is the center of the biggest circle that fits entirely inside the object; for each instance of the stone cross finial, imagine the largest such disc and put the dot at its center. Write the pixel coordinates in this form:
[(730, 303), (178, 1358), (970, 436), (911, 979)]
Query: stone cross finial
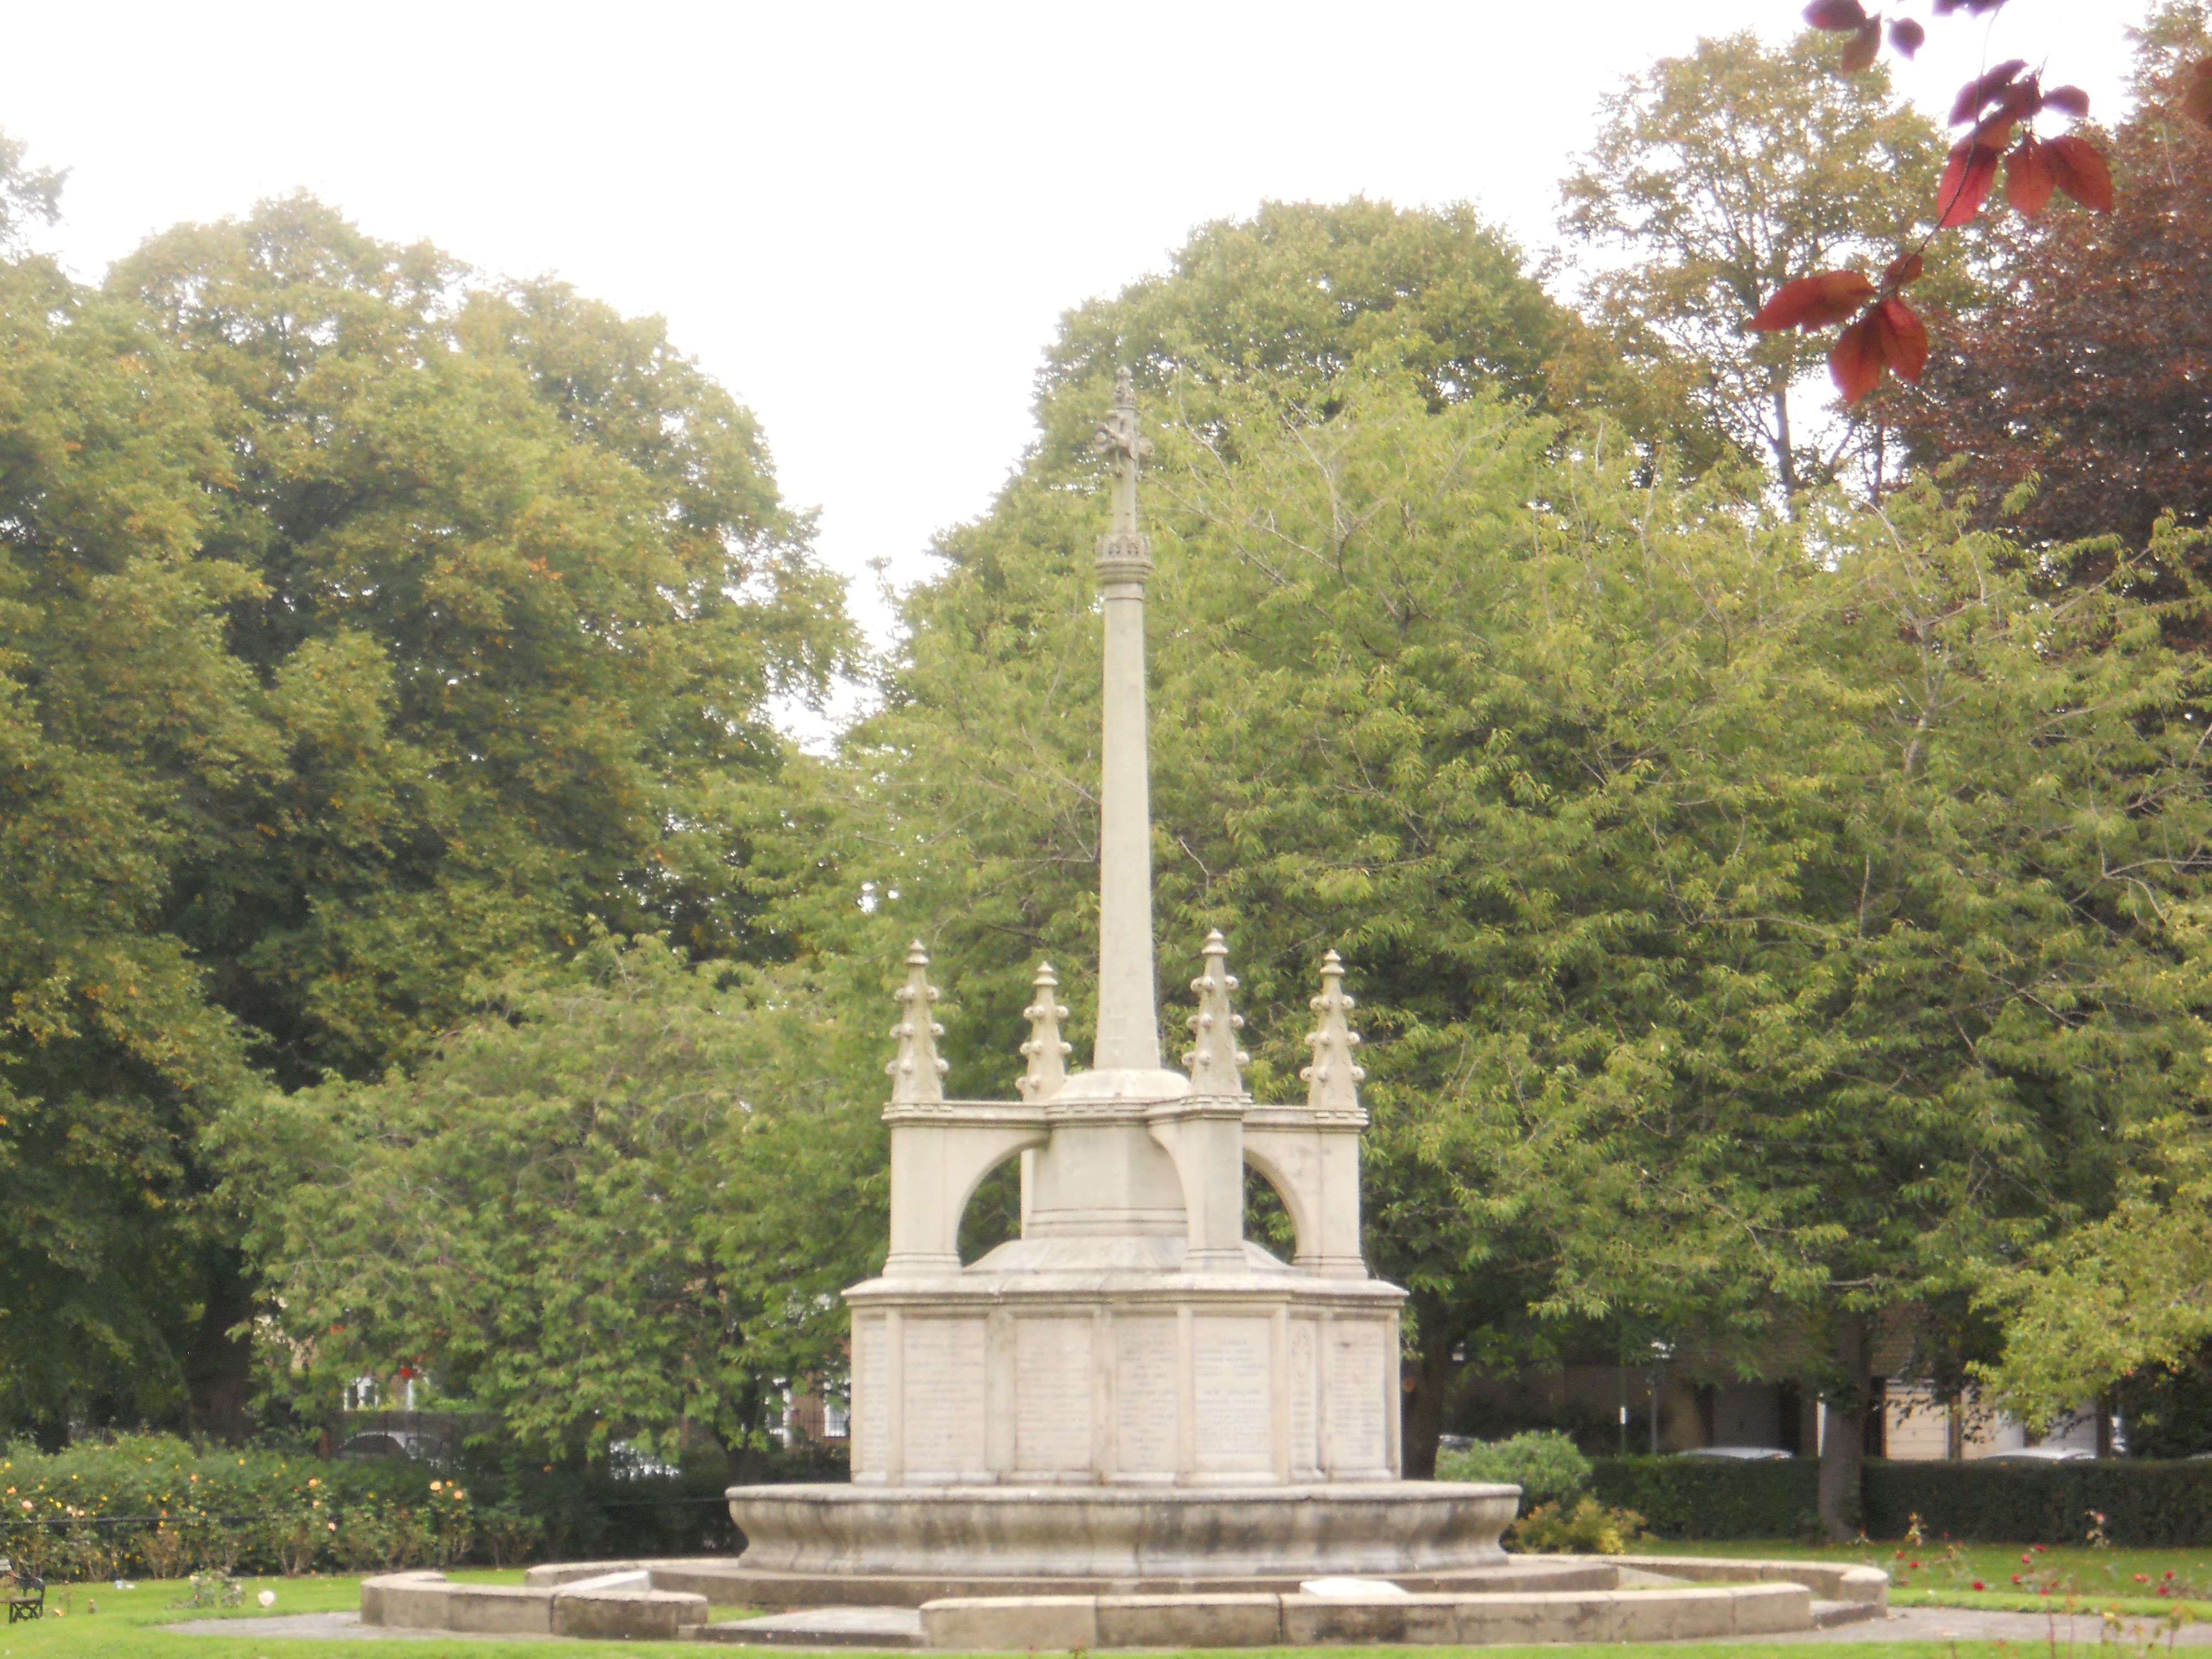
[(916, 1072), (1333, 1080), (1045, 1051), (1214, 1063), (1123, 555)]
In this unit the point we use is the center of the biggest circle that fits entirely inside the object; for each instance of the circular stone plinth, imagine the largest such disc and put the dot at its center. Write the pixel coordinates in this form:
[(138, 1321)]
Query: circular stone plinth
[(1123, 1532)]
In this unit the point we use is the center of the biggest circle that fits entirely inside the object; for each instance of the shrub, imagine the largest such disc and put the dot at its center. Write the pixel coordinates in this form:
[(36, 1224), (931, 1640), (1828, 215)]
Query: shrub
[(1589, 1529), (1544, 1464)]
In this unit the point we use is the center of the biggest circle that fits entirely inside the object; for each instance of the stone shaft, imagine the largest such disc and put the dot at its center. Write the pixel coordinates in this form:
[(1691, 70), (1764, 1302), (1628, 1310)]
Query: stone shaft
[(1128, 1023)]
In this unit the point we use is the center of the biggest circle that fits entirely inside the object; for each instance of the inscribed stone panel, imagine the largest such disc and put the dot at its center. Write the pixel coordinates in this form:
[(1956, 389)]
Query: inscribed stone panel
[(872, 1406), (1051, 1395), (1144, 1396), (944, 1377), (1229, 1364), (1359, 1392), (1305, 1449)]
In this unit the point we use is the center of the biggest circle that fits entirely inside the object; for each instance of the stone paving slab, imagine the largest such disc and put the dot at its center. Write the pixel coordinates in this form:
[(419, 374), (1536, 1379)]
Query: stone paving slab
[(1969, 1625), (824, 1627), (343, 1627), (1903, 1624)]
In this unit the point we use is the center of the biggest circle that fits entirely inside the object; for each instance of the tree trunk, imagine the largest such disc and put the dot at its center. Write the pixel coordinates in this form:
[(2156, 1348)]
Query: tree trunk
[(1428, 1394), (1843, 1434), (1785, 452), (219, 1365)]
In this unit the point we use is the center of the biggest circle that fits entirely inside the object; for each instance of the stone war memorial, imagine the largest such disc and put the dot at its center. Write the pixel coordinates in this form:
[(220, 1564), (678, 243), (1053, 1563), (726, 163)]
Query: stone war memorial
[(1130, 1425)]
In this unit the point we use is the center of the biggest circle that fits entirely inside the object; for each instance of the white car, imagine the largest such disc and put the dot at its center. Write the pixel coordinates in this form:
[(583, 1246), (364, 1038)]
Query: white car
[(1745, 1454), (2041, 1455)]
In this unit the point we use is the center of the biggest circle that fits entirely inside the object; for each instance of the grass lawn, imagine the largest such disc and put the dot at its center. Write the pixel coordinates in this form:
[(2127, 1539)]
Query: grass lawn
[(2015, 1577), (97, 1621)]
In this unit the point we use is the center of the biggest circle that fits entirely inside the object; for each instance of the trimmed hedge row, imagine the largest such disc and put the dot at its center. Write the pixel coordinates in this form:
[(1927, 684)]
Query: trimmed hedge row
[(2151, 1504), (2144, 1504), (156, 1506), (1713, 1498)]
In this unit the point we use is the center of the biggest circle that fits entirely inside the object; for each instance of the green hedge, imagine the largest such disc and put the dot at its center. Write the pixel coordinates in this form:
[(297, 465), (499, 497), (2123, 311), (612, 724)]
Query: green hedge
[(2145, 1504), (154, 1506), (2152, 1505), (1714, 1497)]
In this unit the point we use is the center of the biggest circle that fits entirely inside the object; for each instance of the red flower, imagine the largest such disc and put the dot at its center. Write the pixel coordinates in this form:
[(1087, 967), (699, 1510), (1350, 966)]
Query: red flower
[(1978, 1585)]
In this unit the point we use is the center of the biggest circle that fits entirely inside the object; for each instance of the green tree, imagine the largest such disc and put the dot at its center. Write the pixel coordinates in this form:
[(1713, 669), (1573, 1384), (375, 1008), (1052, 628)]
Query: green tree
[(523, 593), (1755, 920), (368, 637), (618, 1201), (1717, 177), (122, 714)]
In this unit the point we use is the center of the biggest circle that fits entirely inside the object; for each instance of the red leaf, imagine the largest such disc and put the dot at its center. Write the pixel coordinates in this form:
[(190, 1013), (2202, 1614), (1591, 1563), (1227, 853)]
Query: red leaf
[(1890, 336), (2029, 177), (1906, 268), (1855, 362), (2072, 101), (1812, 302), (1906, 37), (1966, 180), (1978, 92), (1863, 47), (1903, 337), (1836, 13), (2080, 171), (2197, 101)]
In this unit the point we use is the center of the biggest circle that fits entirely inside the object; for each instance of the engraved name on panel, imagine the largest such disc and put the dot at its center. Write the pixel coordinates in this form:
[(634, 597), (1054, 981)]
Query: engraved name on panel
[(944, 1377), (872, 1406), (1359, 1390), (1051, 1395), (1229, 1361), (1144, 1396)]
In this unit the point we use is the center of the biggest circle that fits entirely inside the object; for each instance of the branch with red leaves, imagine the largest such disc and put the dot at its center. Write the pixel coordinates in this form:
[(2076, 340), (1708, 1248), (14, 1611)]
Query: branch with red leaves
[(1884, 333)]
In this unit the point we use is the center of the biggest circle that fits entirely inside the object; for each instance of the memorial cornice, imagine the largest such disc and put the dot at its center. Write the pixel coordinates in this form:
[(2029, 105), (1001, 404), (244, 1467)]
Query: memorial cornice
[(1302, 1117), (969, 1114)]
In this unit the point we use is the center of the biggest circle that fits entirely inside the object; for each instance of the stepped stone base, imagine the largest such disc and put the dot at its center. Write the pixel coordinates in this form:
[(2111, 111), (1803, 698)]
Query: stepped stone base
[(1526, 1599), (1139, 1532)]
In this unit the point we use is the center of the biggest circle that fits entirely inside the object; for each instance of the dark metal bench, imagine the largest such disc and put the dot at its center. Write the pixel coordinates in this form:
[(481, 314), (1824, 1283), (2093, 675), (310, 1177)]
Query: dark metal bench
[(26, 1597)]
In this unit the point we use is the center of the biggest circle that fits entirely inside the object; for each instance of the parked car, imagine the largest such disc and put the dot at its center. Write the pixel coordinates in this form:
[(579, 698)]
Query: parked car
[(1744, 1454), (391, 1443), (2041, 1455)]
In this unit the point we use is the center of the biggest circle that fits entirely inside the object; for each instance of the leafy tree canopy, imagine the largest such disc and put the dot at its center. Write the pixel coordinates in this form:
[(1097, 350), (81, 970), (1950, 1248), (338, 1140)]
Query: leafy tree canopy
[(365, 636), (1753, 919), (2075, 399), (618, 1201), (1722, 175)]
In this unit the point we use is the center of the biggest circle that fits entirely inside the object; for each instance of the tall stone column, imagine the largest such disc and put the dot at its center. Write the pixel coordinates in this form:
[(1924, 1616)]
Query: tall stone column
[(1129, 1026)]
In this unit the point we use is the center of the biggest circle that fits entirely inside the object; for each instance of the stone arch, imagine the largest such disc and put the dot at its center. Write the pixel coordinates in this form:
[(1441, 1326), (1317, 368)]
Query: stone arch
[(1304, 1224), (982, 1173)]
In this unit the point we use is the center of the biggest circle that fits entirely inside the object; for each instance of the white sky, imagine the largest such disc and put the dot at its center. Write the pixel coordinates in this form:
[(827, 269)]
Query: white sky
[(866, 220)]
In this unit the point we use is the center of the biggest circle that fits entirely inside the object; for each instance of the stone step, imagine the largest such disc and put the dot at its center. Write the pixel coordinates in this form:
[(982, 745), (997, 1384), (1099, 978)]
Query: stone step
[(823, 1627), (1828, 1613)]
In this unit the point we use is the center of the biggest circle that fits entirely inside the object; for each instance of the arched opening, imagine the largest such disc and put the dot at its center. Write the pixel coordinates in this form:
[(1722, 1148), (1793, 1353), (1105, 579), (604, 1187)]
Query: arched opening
[(994, 1215), (1267, 1218)]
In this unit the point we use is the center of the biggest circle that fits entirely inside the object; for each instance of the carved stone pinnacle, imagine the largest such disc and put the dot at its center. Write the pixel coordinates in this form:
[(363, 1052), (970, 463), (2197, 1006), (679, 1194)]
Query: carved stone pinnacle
[(1045, 1051), (1215, 1062), (916, 1072), (1333, 1080)]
